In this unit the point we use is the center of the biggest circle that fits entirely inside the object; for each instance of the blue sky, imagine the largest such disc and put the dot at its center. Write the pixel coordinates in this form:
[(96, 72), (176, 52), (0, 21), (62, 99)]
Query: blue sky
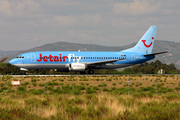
[(26, 24)]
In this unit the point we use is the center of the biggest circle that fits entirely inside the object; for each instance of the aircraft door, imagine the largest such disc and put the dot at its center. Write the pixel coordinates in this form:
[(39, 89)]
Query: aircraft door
[(33, 57), (132, 58), (81, 59)]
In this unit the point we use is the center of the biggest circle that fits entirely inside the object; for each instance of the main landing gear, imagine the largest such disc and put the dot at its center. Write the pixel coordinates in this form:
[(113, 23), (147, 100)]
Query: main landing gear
[(90, 72)]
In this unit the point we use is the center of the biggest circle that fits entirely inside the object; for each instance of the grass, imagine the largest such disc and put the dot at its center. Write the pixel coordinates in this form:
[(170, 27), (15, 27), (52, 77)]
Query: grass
[(90, 100), (26, 106)]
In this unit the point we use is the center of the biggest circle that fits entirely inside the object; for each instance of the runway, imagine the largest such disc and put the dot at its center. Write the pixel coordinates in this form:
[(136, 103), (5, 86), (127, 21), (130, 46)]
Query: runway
[(62, 75), (89, 75)]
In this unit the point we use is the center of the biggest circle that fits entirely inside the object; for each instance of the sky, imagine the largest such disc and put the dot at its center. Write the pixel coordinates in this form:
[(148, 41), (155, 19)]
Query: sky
[(26, 24)]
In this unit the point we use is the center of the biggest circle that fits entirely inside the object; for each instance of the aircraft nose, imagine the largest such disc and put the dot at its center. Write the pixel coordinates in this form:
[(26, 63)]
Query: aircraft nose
[(13, 61)]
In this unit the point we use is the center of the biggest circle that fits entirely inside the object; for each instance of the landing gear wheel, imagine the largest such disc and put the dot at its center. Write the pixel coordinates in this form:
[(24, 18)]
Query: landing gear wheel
[(91, 72)]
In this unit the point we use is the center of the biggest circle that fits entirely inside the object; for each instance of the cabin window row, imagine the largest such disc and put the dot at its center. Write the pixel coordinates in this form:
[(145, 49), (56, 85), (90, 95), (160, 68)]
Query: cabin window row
[(96, 57)]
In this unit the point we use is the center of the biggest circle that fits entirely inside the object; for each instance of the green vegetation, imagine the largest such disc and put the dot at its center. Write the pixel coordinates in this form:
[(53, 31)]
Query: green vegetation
[(92, 98), (151, 68)]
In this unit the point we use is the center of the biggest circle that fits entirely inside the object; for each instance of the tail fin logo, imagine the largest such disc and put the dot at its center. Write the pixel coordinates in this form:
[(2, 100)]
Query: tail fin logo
[(146, 44)]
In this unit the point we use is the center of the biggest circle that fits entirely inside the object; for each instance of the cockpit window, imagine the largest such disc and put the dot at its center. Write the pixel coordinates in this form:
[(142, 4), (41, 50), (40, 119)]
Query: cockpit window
[(20, 56)]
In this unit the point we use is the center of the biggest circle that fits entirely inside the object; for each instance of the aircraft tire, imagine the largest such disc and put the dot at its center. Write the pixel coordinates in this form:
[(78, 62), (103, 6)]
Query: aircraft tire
[(91, 72)]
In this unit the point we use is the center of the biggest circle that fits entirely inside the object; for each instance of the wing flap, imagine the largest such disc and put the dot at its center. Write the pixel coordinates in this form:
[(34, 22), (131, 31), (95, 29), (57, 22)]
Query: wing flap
[(105, 61)]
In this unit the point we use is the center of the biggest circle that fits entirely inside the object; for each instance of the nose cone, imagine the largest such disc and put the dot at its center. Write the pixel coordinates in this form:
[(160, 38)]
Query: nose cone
[(13, 61), (16, 62)]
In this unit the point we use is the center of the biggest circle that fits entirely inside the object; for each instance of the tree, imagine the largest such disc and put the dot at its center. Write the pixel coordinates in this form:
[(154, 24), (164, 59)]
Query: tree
[(151, 68)]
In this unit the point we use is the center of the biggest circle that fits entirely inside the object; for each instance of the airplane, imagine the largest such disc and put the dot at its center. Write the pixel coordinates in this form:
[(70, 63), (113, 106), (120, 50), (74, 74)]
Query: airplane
[(64, 61)]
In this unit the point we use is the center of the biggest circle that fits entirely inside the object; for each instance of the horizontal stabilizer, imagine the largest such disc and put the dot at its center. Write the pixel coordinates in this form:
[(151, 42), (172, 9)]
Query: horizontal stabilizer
[(156, 53)]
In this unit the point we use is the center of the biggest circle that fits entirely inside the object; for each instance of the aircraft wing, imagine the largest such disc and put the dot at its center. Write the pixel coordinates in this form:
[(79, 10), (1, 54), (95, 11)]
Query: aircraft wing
[(104, 62), (156, 53)]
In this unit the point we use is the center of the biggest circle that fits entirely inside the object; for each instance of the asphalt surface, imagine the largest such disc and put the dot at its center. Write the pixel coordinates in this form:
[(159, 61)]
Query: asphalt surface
[(87, 75)]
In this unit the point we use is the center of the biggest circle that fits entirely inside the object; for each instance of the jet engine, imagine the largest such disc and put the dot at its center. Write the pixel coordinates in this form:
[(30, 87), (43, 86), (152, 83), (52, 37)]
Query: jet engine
[(77, 67)]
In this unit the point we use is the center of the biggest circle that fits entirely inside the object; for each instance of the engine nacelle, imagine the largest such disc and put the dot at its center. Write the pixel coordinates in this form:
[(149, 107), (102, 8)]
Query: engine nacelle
[(23, 69), (77, 67)]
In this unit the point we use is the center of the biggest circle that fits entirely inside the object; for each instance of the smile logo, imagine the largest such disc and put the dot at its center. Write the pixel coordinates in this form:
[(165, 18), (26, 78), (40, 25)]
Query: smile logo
[(146, 44)]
